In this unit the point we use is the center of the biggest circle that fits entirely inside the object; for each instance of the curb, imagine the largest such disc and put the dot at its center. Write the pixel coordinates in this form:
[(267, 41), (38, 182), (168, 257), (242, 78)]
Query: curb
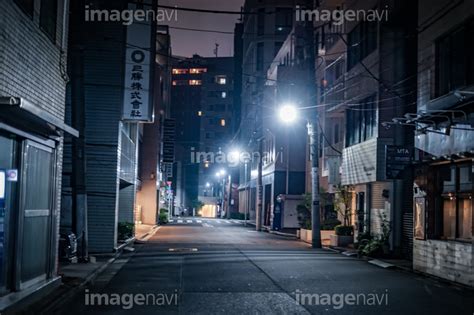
[(62, 299), (283, 234)]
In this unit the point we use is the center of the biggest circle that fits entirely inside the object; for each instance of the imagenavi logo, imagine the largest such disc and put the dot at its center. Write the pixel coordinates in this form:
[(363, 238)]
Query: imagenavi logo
[(338, 17)]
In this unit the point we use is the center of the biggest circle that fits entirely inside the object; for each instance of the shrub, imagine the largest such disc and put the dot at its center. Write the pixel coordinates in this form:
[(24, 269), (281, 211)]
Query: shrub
[(373, 247), (163, 218), (237, 216), (125, 230), (343, 230), (330, 224)]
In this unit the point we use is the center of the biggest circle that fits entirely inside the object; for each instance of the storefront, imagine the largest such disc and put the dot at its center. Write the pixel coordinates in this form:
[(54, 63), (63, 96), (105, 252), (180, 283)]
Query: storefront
[(30, 175), (443, 209)]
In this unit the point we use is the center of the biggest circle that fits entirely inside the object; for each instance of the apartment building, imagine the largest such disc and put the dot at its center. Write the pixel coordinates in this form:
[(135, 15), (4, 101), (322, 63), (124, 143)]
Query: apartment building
[(284, 167), (366, 75), (263, 34), (202, 98)]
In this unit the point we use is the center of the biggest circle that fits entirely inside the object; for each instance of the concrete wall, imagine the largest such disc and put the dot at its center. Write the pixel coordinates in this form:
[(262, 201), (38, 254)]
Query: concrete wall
[(445, 259)]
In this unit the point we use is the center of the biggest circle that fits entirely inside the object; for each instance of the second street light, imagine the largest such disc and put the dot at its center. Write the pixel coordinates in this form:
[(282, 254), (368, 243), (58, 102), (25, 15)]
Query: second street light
[(289, 114)]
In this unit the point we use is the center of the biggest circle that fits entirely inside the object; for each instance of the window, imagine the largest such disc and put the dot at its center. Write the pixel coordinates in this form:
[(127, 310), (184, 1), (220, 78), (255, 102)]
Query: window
[(259, 63), (223, 122), (361, 122), (283, 20), (179, 82), (455, 187), (221, 79), (197, 70), (48, 17), (28, 6), (454, 63), (261, 21), (362, 40), (180, 71), (195, 82), (199, 113), (224, 95)]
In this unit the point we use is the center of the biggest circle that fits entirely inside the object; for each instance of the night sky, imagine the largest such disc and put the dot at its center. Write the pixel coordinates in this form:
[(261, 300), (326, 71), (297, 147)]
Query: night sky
[(186, 43)]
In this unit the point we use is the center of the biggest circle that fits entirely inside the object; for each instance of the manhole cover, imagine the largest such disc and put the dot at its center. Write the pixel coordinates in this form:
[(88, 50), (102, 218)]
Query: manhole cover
[(182, 249)]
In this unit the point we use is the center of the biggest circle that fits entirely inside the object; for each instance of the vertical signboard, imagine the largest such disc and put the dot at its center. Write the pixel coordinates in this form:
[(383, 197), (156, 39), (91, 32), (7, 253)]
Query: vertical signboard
[(139, 62)]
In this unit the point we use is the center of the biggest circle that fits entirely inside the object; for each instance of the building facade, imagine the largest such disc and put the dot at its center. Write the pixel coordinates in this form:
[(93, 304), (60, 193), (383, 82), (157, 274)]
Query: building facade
[(154, 163), (263, 34), (443, 186), (32, 111), (284, 167), (100, 176), (363, 82)]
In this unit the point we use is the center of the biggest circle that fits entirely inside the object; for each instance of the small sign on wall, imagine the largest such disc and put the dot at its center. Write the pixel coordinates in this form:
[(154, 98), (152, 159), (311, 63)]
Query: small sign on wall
[(12, 175)]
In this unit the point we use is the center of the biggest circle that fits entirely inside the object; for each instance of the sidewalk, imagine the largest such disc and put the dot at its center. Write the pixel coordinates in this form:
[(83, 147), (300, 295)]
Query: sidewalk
[(75, 276)]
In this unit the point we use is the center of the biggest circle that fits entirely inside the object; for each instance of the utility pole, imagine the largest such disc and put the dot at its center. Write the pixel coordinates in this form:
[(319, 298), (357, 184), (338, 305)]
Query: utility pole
[(313, 133), (258, 218)]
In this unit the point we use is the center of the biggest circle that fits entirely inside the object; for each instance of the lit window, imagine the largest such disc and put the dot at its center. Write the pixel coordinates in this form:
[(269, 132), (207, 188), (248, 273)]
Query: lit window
[(199, 113), (224, 95), (223, 122), (222, 80), (195, 82), (179, 82), (180, 71), (197, 70)]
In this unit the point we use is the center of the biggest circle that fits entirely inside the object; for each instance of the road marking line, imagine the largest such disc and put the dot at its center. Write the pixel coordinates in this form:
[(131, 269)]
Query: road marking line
[(198, 221), (180, 221), (228, 222), (171, 221), (218, 221), (189, 221)]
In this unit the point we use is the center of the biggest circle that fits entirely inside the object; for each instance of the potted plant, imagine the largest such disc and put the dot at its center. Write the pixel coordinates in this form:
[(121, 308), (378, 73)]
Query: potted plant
[(344, 235), (304, 219)]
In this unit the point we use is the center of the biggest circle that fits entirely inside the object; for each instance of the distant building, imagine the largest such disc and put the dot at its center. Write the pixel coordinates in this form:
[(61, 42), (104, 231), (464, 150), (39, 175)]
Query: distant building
[(33, 77), (202, 105), (443, 187)]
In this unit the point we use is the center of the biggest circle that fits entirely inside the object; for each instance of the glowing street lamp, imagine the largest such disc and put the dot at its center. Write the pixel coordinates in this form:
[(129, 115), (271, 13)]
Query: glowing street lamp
[(288, 113)]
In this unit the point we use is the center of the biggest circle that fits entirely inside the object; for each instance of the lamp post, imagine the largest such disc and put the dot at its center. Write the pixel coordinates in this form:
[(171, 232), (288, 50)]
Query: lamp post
[(221, 174), (289, 114)]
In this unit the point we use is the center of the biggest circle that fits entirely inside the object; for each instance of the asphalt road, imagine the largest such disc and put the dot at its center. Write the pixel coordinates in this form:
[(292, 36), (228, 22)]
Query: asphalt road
[(219, 267)]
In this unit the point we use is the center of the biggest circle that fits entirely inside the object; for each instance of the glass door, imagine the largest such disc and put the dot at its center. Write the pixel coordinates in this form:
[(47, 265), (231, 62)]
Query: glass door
[(36, 209)]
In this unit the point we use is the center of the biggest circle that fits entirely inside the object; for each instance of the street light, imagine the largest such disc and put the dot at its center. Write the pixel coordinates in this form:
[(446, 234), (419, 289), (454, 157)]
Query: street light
[(288, 114)]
